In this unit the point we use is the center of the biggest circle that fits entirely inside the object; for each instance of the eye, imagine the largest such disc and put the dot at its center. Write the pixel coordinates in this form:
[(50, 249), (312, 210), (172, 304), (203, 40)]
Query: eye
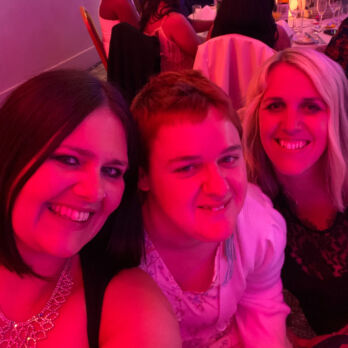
[(229, 160), (113, 172), (311, 107), (187, 169), (275, 106), (66, 159)]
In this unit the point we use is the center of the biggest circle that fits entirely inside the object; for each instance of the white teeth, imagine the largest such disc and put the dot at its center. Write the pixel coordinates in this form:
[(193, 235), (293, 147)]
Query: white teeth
[(292, 145), (213, 208), (72, 214)]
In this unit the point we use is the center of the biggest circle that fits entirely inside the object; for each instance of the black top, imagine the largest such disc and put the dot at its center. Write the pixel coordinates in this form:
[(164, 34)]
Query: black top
[(316, 269)]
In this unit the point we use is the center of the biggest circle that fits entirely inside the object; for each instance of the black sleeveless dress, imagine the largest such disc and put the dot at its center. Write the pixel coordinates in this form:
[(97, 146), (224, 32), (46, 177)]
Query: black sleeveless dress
[(315, 270)]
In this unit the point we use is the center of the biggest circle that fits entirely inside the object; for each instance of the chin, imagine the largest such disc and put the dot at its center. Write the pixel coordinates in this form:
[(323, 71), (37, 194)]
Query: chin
[(218, 233)]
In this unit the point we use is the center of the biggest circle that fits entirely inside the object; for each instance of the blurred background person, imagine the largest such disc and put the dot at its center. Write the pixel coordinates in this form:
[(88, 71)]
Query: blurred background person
[(251, 18), (178, 39)]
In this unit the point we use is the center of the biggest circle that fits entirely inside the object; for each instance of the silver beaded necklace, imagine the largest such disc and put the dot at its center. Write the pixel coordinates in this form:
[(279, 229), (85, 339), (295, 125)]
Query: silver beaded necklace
[(26, 334)]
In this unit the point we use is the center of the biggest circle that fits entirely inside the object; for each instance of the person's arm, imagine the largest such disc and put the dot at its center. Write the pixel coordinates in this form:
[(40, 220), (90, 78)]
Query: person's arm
[(201, 25), (136, 314), (261, 314), (179, 29), (124, 10)]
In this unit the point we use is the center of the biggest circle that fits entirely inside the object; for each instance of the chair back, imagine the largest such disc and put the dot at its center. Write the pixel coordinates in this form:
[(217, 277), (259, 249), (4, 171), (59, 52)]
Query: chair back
[(87, 19), (230, 61), (133, 58)]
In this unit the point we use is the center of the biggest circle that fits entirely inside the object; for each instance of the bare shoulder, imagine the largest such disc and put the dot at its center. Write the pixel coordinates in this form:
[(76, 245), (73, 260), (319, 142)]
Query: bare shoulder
[(136, 314), (175, 18)]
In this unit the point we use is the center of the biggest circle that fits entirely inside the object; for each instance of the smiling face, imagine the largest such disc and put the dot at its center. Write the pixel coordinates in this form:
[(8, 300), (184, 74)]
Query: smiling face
[(196, 181), (293, 120), (68, 199)]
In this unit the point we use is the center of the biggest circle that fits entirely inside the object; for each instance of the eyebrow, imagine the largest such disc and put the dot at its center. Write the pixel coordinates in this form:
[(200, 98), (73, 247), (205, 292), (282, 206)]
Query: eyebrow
[(87, 153), (304, 99), (232, 148)]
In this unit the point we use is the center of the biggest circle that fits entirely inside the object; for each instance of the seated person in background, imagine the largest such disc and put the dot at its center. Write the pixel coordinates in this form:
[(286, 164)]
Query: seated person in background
[(69, 221), (112, 12), (178, 39), (186, 5), (214, 244), (251, 18), (296, 141), (337, 49)]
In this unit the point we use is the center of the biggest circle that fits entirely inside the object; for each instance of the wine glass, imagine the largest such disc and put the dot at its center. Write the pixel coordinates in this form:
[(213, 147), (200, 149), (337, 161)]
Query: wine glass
[(321, 8), (300, 37), (335, 6), (294, 10)]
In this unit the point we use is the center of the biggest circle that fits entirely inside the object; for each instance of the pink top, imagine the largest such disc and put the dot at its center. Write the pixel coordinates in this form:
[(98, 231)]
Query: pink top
[(244, 303), (172, 56)]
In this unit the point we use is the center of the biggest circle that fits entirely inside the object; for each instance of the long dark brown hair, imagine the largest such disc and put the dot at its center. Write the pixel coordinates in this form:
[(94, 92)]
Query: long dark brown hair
[(150, 9), (251, 18)]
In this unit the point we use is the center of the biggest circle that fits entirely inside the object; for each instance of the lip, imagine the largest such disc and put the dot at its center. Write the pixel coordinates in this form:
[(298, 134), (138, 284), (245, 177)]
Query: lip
[(292, 144), (70, 213), (214, 207)]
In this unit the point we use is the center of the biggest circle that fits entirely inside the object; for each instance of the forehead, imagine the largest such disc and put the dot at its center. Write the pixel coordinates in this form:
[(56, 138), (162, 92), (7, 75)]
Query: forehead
[(286, 78), (186, 137), (101, 131)]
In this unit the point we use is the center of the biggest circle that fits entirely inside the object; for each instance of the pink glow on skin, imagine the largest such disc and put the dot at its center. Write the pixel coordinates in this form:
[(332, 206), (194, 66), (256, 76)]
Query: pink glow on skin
[(68, 199), (293, 120), (196, 182)]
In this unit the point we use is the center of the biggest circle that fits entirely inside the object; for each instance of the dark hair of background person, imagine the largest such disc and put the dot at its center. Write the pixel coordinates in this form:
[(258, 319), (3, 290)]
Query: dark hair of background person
[(149, 8), (337, 48), (251, 18), (34, 120)]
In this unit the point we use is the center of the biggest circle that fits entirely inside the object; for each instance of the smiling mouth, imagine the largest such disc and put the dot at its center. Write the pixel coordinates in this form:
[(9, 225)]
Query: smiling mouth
[(214, 208), (70, 213), (292, 145)]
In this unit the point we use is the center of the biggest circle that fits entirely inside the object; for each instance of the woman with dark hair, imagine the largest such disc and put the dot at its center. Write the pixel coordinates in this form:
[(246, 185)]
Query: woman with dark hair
[(178, 39), (251, 18), (68, 175)]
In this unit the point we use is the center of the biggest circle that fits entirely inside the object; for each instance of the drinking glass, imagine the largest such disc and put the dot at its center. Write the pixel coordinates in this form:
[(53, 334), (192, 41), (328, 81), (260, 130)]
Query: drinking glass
[(195, 9), (335, 7), (294, 10), (321, 8), (300, 37)]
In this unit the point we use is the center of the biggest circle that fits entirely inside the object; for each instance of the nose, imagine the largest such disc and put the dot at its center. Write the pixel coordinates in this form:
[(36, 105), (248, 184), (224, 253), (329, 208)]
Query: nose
[(90, 187), (215, 183), (291, 120)]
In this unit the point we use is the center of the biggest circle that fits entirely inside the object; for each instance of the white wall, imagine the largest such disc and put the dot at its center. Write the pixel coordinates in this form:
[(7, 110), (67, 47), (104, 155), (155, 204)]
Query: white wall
[(38, 35)]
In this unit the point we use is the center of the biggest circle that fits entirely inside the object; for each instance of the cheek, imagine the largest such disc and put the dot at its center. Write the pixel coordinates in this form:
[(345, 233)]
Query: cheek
[(115, 196)]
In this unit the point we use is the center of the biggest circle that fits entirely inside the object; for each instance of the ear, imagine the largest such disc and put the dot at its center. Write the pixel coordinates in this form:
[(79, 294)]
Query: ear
[(143, 182)]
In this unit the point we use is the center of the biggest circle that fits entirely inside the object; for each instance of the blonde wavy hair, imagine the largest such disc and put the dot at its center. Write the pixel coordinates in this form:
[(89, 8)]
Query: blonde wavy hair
[(331, 83)]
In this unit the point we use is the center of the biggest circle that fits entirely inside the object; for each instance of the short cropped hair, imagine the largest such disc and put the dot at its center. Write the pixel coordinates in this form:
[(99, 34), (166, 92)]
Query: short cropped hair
[(329, 80), (34, 120), (163, 99)]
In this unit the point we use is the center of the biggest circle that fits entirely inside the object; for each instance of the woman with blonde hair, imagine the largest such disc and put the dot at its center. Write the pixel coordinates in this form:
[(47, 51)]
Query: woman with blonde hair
[(296, 140)]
